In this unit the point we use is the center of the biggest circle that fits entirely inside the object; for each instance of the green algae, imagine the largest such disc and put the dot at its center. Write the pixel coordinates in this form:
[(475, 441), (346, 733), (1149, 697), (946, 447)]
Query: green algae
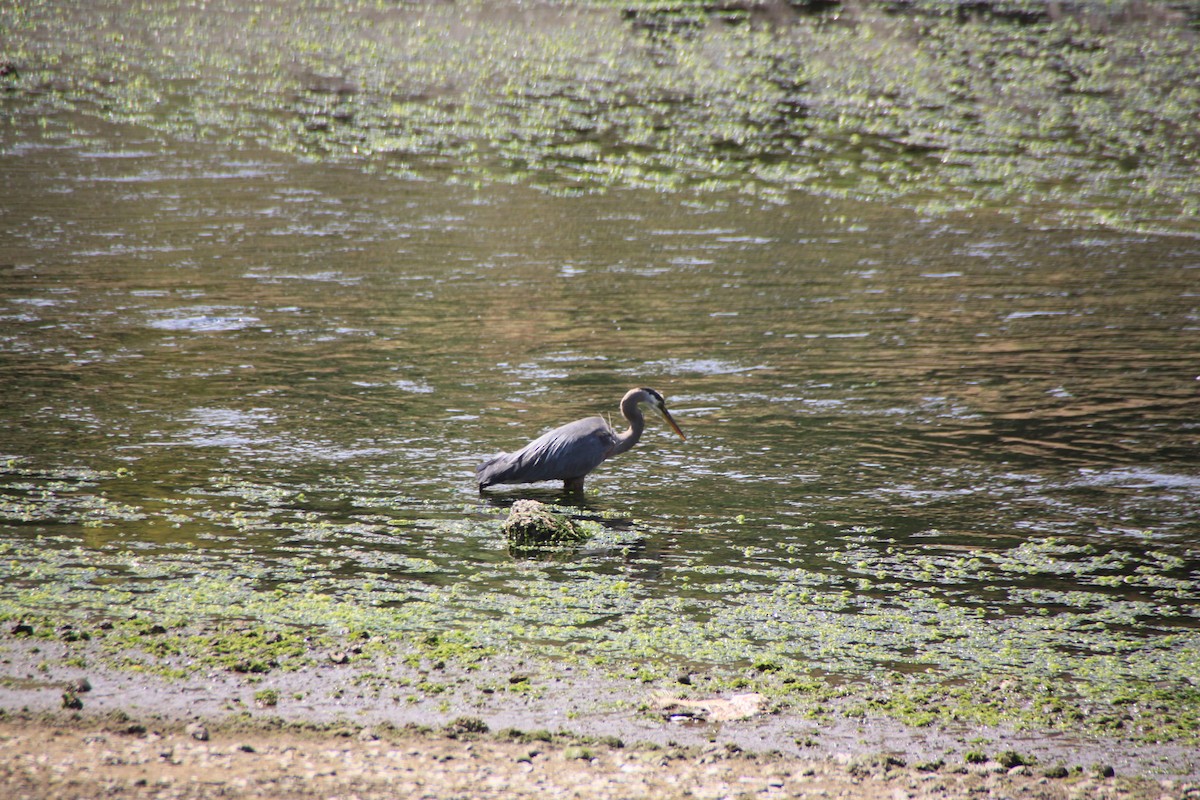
[(1045, 632), (1083, 118), (532, 526), (938, 636)]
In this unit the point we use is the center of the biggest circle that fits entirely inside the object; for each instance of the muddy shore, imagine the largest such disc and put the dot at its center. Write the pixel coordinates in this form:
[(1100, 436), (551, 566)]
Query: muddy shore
[(88, 758), (501, 729)]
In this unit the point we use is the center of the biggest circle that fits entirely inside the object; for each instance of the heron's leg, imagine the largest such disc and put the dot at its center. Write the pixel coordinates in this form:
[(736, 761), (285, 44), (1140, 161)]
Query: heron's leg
[(573, 485)]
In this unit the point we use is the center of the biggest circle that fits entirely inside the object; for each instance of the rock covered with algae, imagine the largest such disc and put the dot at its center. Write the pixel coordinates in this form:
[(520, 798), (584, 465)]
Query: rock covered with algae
[(531, 524)]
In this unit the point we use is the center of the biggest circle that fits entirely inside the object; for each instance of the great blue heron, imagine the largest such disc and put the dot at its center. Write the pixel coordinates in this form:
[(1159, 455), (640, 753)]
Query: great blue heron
[(569, 453)]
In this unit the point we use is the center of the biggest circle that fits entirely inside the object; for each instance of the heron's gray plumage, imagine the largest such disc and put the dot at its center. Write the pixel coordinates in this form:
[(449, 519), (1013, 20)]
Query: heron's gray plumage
[(570, 452), (565, 453)]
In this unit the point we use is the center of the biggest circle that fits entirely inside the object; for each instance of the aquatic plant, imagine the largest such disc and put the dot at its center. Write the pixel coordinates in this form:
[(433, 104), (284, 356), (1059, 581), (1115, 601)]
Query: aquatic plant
[(1084, 118)]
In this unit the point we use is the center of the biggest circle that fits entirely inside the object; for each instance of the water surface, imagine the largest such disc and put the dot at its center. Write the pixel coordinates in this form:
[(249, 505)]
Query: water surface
[(905, 430)]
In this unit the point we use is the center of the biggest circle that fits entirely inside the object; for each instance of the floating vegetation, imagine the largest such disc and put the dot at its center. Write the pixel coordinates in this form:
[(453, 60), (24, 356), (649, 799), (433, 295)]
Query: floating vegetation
[(1046, 632), (1085, 117)]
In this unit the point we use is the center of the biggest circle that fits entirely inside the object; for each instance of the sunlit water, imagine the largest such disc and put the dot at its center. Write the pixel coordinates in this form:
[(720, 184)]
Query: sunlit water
[(221, 354)]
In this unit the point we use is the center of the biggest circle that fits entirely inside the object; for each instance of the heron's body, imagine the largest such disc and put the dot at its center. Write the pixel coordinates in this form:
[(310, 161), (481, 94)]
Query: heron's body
[(570, 452)]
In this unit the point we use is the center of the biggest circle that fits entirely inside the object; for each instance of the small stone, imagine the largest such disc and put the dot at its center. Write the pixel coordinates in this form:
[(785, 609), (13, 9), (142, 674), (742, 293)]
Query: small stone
[(368, 735), (338, 657), (79, 686), (197, 731), (1011, 758), (68, 633), (465, 725)]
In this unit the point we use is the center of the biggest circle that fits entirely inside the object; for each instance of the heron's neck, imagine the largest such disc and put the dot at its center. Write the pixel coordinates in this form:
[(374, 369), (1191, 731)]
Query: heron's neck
[(637, 424)]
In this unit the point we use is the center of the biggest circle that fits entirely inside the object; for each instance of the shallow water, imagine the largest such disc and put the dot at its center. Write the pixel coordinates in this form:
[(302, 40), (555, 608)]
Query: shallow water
[(223, 361)]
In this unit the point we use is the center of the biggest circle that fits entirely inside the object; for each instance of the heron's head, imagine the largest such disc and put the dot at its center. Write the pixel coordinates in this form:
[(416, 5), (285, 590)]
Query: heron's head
[(660, 405)]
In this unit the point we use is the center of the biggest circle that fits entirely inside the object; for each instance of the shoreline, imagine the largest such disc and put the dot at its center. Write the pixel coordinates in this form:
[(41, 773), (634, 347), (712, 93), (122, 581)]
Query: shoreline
[(72, 719), (77, 757)]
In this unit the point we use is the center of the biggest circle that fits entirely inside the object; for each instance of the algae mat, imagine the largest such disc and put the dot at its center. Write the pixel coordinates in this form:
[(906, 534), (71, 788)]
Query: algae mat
[(1080, 117)]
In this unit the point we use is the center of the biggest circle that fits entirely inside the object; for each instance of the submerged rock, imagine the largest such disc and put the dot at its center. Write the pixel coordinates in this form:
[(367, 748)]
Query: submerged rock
[(531, 524)]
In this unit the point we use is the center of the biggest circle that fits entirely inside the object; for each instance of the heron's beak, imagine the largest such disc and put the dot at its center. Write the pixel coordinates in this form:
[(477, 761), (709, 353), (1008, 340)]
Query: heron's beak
[(671, 421)]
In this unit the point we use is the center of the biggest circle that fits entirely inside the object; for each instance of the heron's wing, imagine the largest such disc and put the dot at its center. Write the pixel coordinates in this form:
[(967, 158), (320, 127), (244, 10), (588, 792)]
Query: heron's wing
[(571, 451)]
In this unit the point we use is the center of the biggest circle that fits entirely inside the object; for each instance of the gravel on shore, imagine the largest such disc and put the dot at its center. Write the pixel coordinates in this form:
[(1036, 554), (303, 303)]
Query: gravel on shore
[(88, 758)]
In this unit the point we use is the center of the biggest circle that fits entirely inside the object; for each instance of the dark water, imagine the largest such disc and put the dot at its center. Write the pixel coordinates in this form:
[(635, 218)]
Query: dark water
[(209, 350)]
